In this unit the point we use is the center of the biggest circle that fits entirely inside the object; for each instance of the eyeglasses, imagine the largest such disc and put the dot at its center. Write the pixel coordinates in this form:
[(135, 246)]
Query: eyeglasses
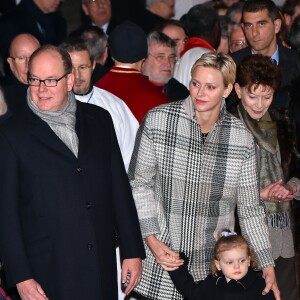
[(20, 59), (82, 68), (238, 43), (49, 82), (162, 58), (93, 2)]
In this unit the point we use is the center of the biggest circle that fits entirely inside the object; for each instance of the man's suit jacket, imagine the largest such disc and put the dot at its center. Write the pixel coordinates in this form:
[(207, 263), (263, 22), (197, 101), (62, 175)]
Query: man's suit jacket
[(288, 63), (15, 93), (87, 23), (60, 215), (27, 17)]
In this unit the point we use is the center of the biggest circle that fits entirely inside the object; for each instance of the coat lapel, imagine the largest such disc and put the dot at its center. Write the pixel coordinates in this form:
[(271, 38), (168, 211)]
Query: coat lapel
[(42, 131), (84, 129)]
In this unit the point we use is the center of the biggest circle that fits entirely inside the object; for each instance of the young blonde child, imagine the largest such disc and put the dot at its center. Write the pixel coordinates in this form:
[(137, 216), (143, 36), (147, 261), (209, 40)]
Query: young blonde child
[(232, 274)]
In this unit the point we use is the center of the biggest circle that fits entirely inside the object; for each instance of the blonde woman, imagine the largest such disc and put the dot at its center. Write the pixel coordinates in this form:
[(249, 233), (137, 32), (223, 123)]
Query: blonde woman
[(193, 163)]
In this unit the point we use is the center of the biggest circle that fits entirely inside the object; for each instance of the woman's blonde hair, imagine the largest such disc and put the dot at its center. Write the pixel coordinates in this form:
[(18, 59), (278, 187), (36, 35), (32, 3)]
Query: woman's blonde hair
[(228, 240), (221, 62)]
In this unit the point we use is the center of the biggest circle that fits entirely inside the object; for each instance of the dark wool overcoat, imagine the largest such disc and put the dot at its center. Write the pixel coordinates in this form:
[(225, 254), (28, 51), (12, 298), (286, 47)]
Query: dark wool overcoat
[(60, 215)]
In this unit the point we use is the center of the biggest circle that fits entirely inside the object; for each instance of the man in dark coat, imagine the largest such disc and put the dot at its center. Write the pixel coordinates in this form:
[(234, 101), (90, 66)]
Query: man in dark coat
[(261, 22), (64, 193), (40, 18), (98, 13), (15, 83), (154, 13)]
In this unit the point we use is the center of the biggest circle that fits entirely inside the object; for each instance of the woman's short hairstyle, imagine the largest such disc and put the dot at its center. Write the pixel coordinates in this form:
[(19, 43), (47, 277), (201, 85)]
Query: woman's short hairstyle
[(227, 243), (221, 62), (258, 70)]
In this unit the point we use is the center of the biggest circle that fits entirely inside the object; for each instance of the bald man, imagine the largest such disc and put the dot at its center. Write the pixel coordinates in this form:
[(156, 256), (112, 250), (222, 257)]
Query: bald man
[(15, 83)]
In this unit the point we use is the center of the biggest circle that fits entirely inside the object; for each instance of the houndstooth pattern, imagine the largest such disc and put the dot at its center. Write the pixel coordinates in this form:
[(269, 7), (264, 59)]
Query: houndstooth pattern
[(186, 192)]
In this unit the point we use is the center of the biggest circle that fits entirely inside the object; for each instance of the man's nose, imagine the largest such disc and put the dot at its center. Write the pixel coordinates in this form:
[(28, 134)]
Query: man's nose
[(255, 31), (42, 87), (76, 72)]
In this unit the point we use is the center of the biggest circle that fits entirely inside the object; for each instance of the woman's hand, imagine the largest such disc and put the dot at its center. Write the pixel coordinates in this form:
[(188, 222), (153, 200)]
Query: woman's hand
[(168, 259), (271, 284), (276, 192)]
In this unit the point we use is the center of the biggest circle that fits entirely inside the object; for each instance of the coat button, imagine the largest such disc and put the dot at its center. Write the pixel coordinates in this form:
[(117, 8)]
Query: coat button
[(79, 169), (89, 246), (88, 205)]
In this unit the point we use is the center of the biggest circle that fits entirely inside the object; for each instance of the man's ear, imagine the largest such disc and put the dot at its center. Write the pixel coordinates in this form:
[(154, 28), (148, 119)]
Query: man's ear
[(277, 24), (11, 63), (104, 55), (70, 81), (85, 9), (94, 64)]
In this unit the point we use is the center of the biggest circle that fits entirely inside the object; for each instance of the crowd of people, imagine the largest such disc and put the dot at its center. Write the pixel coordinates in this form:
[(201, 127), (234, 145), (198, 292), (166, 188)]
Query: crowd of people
[(151, 153)]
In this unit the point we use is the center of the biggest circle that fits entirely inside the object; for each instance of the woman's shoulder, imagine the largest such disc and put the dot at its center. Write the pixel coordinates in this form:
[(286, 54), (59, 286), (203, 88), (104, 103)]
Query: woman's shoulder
[(235, 123), (169, 110)]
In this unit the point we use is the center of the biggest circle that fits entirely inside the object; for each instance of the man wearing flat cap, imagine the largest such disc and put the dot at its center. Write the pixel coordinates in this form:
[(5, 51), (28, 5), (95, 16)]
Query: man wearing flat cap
[(128, 48)]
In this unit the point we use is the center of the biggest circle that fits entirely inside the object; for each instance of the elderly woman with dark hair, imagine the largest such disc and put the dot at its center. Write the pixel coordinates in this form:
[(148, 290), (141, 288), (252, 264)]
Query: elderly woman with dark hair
[(258, 78), (193, 163)]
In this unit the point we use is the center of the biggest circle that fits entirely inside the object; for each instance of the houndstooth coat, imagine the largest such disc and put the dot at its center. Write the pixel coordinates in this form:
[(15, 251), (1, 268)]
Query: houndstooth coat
[(186, 190)]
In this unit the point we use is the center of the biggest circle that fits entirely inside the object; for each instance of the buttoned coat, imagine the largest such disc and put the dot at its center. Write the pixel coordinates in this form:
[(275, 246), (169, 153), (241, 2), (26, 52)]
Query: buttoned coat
[(186, 190), (59, 215)]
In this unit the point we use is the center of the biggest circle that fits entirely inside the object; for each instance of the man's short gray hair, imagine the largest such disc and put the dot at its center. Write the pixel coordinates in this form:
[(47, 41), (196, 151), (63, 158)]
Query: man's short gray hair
[(95, 40), (161, 39)]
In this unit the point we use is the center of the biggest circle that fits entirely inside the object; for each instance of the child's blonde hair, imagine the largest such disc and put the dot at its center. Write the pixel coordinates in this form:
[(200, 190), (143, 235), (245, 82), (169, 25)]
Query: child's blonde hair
[(228, 240)]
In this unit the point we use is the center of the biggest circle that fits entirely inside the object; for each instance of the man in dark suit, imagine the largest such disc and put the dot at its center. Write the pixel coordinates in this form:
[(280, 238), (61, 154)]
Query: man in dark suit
[(64, 193), (261, 22), (40, 18), (98, 13)]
